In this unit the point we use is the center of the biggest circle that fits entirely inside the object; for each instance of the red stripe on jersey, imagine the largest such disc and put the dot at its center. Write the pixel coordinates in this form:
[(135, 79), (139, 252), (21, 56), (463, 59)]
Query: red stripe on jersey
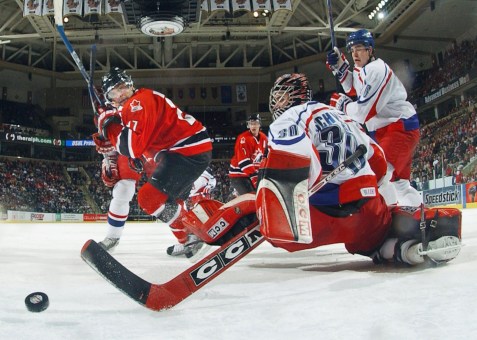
[(373, 112), (310, 118)]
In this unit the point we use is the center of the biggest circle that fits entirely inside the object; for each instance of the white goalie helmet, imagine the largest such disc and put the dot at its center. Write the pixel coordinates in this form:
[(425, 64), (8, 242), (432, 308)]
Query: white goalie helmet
[(289, 90)]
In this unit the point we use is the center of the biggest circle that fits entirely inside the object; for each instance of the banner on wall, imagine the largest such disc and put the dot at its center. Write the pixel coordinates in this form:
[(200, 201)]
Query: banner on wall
[(241, 5), (226, 94), (92, 7), (15, 137), (241, 93), (219, 5), (48, 7), (261, 5), (112, 6), (282, 4), (32, 7), (442, 196), (72, 7)]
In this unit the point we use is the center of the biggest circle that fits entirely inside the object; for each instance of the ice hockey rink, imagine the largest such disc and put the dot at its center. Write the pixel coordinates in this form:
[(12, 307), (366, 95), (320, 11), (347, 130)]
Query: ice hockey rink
[(323, 293)]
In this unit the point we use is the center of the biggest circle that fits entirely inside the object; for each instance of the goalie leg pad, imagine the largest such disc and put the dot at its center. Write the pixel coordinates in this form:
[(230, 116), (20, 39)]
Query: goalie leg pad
[(282, 198), (439, 221), (215, 223)]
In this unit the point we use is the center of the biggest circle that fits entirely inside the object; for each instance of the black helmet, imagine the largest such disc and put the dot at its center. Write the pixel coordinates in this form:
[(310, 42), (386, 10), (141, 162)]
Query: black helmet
[(113, 78), (254, 116)]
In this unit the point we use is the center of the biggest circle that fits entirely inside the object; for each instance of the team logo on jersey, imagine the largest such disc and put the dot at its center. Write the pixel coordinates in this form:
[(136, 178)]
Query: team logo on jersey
[(242, 140), (366, 90), (135, 106)]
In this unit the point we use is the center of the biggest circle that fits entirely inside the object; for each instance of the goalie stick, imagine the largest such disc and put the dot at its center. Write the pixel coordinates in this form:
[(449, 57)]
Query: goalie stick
[(157, 296)]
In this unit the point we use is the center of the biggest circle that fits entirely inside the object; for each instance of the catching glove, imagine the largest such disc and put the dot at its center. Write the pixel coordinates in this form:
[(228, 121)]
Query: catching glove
[(337, 63), (339, 101), (103, 146), (107, 117), (109, 171)]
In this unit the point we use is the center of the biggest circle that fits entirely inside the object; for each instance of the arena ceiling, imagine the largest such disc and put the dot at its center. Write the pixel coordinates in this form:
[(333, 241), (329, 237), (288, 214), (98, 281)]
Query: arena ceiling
[(219, 40)]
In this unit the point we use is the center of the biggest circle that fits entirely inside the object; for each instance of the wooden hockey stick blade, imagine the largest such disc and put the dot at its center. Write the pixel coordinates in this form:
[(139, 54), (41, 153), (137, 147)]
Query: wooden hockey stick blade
[(158, 296)]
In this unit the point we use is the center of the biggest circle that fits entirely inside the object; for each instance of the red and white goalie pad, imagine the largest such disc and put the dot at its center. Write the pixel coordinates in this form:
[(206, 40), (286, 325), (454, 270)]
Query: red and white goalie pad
[(215, 223), (282, 198)]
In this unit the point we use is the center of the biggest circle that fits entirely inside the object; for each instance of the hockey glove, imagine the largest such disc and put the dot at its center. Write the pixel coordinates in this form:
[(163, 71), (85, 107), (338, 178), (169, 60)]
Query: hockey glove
[(108, 117), (339, 101), (109, 171), (103, 146), (337, 63)]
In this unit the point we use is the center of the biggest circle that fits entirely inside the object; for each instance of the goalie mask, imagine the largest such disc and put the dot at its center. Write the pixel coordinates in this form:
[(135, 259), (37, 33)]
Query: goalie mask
[(115, 77), (360, 37), (289, 90)]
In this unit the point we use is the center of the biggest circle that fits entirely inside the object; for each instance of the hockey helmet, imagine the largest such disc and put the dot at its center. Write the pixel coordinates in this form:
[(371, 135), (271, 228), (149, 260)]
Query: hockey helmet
[(289, 90), (115, 77), (254, 117), (360, 37)]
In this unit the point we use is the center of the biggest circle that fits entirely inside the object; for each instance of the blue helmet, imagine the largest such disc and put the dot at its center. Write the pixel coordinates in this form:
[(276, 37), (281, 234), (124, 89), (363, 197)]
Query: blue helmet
[(360, 37)]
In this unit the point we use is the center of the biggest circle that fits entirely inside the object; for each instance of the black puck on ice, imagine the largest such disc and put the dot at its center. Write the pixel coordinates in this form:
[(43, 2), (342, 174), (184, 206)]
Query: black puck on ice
[(37, 302)]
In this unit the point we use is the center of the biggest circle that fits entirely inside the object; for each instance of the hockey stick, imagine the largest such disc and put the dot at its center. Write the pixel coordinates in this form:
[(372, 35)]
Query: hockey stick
[(157, 296), (58, 5), (333, 39)]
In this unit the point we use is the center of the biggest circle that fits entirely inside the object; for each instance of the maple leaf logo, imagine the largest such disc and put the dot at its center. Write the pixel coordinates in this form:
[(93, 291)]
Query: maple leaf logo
[(135, 105)]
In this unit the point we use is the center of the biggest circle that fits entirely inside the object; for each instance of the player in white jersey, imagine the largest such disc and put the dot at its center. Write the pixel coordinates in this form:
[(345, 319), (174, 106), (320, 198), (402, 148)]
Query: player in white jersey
[(202, 187), (308, 140), (381, 106)]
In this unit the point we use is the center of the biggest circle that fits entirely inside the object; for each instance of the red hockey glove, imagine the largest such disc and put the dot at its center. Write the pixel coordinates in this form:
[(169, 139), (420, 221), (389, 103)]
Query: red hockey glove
[(107, 117), (340, 101), (109, 171), (103, 146), (337, 63)]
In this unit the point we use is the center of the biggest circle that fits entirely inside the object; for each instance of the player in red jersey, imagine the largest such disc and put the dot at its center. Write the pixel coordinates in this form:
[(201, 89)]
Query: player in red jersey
[(145, 126), (248, 153)]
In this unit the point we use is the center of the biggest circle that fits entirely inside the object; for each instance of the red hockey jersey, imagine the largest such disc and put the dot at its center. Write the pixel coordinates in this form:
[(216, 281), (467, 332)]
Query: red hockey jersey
[(153, 123), (248, 154)]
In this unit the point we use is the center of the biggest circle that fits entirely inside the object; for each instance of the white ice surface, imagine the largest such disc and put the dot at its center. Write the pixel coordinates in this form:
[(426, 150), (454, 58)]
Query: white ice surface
[(324, 293)]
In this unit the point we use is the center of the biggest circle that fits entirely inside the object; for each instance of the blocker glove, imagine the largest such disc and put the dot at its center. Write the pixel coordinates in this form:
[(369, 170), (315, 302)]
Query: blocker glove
[(339, 101), (337, 63)]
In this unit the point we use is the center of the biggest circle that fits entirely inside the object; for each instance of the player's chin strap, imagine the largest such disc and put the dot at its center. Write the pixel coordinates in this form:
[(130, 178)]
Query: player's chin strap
[(282, 195)]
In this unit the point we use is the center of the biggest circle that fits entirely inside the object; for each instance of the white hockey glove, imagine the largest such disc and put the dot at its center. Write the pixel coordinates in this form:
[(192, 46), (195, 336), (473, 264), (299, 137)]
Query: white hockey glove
[(337, 63), (339, 101)]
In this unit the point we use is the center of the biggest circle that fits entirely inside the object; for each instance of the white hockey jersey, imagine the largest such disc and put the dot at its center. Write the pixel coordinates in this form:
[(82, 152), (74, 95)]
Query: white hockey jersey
[(204, 184), (321, 133), (381, 97)]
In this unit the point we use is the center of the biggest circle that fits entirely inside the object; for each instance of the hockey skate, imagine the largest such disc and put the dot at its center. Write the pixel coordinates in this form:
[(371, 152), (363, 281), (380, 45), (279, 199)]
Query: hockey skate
[(109, 243), (190, 248)]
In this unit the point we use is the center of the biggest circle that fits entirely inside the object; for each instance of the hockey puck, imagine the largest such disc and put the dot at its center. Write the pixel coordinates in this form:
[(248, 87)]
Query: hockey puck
[(37, 302)]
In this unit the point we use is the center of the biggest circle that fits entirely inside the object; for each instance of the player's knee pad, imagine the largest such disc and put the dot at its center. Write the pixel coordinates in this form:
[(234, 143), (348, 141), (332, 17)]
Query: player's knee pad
[(282, 198), (152, 200), (215, 223), (406, 223)]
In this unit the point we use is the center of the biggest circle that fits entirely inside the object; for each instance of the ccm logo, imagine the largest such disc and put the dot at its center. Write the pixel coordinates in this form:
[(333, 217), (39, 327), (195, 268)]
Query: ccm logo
[(303, 215), (226, 257), (217, 228)]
